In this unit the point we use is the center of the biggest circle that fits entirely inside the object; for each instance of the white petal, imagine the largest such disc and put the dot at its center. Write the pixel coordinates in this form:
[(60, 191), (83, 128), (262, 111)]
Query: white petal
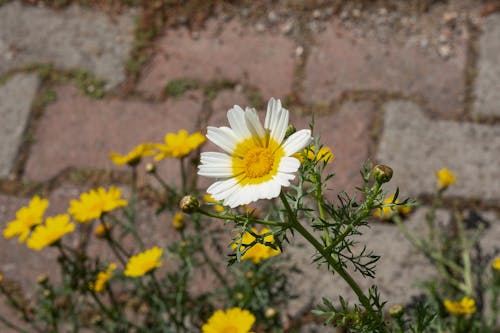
[(297, 141), (289, 165), (215, 171), (253, 123), (250, 193), (272, 106), (276, 120), (215, 158), (236, 117), (284, 178), (222, 189), (223, 137)]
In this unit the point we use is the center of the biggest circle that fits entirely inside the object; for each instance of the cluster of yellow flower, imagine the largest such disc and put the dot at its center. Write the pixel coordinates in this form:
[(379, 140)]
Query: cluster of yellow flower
[(257, 252), (465, 306), (176, 145)]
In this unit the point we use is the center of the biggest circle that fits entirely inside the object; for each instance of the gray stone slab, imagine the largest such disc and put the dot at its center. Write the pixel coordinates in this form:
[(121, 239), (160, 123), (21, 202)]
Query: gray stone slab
[(16, 97), (416, 146), (399, 271), (487, 87), (71, 38)]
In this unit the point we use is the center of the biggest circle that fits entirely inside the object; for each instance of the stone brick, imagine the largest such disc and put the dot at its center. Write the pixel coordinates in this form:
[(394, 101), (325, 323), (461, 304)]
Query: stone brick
[(222, 51), (16, 97), (398, 271), (487, 87), (416, 146), (77, 131), (342, 62), (69, 38)]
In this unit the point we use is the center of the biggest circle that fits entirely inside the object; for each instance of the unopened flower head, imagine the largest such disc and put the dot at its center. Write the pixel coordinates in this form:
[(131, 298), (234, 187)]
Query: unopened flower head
[(144, 262), (396, 310), (189, 204), (178, 221), (179, 145), (103, 278), (382, 173), (463, 307), (257, 160), (26, 218), (134, 156), (94, 203), (101, 230), (50, 232), (235, 320), (445, 178), (258, 251), (207, 198)]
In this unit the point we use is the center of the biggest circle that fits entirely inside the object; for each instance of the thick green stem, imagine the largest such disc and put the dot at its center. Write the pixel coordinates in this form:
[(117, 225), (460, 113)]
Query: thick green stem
[(334, 264)]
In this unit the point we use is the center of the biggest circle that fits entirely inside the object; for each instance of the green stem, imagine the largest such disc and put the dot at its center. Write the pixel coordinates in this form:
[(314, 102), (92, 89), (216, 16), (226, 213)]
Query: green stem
[(321, 211), (467, 270), (418, 243), (334, 264), (240, 219)]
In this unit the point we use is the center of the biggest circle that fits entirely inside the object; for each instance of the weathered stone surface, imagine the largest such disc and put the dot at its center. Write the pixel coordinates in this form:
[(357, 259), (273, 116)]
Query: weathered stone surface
[(487, 87), (71, 38), (77, 131), (398, 271), (223, 51), (342, 62), (16, 97), (416, 146)]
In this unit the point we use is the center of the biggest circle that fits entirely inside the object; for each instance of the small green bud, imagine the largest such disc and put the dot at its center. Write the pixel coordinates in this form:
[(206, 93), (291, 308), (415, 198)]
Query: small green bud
[(150, 168), (396, 311), (270, 312), (290, 130), (189, 204), (382, 173), (42, 279)]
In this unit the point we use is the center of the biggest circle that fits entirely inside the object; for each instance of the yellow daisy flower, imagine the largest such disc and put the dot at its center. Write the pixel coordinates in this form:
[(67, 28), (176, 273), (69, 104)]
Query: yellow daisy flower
[(179, 145), (257, 252), (257, 160), (144, 262), (496, 264), (134, 156), (388, 212), (26, 218), (235, 320), (445, 178), (94, 203), (1, 277), (50, 232), (463, 307), (102, 279), (324, 154), (209, 199)]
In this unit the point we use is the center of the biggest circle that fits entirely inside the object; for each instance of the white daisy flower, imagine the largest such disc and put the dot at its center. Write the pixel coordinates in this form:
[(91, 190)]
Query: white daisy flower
[(257, 162)]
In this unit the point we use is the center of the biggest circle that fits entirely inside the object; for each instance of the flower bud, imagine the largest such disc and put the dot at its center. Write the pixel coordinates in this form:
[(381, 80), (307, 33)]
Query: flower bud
[(150, 168), (42, 279), (102, 230), (239, 296), (396, 311), (189, 204), (382, 173), (178, 222), (270, 312)]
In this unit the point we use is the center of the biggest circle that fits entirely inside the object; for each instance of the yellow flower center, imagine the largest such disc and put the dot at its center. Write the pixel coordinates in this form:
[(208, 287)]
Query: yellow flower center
[(230, 329), (258, 162)]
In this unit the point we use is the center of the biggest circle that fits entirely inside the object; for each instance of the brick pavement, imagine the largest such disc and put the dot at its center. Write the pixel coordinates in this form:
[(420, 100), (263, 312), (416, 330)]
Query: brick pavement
[(392, 102)]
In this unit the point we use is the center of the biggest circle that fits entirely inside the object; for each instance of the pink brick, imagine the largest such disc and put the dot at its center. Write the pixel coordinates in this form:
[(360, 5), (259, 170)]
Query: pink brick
[(341, 62), (79, 132), (223, 51)]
